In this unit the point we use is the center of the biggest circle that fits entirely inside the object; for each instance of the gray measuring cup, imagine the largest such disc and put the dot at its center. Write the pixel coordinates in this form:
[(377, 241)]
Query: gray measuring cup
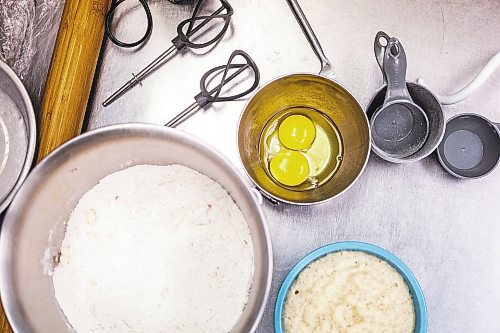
[(400, 127), (421, 95), (470, 147)]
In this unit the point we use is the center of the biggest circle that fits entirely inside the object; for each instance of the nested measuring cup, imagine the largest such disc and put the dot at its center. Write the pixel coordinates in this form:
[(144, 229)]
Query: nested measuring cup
[(421, 96), (399, 127)]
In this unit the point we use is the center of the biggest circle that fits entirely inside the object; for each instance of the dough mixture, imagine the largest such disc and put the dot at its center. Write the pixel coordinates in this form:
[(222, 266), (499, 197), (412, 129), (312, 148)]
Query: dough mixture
[(349, 292)]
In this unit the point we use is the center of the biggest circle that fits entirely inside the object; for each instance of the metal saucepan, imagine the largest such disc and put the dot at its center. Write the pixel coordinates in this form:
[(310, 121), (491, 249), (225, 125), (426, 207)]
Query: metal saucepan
[(421, 95), (17, 134), (320, 92), (34, 225)]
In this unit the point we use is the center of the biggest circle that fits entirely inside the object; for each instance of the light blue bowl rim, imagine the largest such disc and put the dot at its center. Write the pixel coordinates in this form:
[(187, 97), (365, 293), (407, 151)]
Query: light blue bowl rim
[(411, 281)]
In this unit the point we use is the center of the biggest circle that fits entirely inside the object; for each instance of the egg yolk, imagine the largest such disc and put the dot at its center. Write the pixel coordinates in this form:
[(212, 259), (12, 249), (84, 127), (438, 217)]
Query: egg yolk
[(297, 132), (289, 167)]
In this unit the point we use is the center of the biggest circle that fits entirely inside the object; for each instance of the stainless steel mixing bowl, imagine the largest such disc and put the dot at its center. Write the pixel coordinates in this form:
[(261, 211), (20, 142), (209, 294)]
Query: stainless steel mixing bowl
[(314, 92), (34, 225), (17, 134)]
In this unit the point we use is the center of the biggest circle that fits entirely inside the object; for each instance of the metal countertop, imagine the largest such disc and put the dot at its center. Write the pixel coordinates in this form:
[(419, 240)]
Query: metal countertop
[(446, 230)]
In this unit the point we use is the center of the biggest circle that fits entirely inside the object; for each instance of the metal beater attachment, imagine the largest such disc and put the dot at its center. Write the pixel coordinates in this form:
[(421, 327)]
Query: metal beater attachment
[(149, 29), (184, 39), (206, 97)]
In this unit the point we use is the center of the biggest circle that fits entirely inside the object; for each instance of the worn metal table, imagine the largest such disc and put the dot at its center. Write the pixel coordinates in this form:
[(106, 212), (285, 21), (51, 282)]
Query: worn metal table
[(446, 230)]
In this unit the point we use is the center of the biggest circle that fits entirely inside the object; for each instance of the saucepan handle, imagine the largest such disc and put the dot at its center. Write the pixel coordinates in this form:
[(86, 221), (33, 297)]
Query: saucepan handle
[(263, 195), (326, 67), (379, 50)]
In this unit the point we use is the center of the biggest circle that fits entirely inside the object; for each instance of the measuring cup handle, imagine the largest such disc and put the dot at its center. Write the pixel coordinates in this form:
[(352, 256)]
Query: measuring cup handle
[(395, 72), (379, 50), (326, 67)]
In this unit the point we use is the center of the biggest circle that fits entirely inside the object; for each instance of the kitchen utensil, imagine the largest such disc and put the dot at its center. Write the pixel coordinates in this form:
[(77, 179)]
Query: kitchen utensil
[(182, 41), (379, 46), (470, 147), (421, 96), (34, 225), (399, 127), (474, 85), (149, 27), (415, 289), (17, 134), (320, 93), (71, 72), (206, 97)]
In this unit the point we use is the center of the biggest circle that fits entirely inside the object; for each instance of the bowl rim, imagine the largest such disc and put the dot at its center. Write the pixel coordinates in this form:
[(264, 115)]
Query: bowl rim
[(419, 304)]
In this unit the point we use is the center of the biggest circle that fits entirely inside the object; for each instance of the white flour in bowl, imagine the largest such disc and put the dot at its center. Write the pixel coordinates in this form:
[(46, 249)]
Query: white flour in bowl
[(155, 249)]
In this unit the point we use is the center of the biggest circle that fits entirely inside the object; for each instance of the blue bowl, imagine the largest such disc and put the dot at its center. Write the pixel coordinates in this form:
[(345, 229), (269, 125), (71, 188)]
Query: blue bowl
[(409, 278)]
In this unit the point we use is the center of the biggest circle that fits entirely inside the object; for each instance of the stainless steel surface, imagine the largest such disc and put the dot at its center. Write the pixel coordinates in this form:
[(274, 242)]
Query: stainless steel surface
[(399, 127), (34, 225), (446, 230), (17, 134), (136, 78)]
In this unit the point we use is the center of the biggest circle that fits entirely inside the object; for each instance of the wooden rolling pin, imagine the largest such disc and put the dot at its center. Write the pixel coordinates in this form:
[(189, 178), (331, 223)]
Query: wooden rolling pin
[(4, 324), (71, 73), (69, 80)]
